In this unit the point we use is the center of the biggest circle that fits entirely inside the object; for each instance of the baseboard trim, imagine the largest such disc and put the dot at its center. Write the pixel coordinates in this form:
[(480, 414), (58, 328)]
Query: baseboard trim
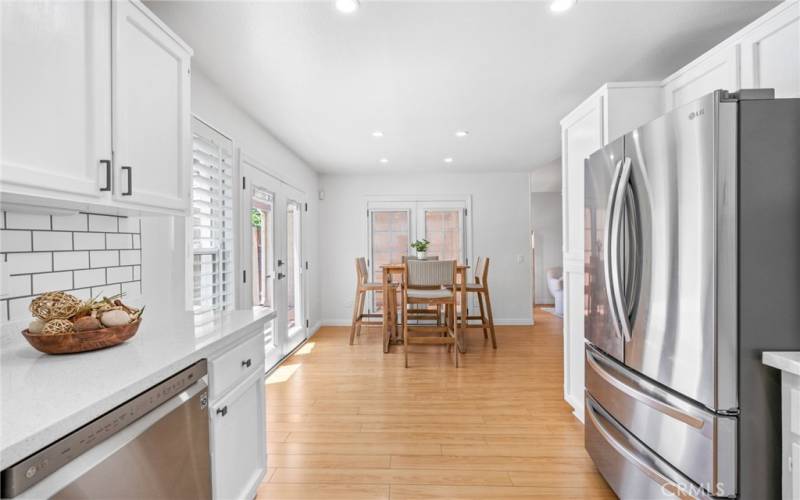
[(314, 329), (577, 407)]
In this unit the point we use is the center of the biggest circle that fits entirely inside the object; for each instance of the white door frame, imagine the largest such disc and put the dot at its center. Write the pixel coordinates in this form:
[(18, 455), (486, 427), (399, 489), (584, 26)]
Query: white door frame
[(283, 193)]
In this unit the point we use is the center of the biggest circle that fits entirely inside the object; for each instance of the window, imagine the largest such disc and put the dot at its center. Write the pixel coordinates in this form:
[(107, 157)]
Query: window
[(262, 228), (389, 243), (443, 230), (212, 222)]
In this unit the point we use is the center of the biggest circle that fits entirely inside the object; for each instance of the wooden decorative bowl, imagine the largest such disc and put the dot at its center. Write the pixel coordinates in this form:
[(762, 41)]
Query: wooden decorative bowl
[(89, 340)]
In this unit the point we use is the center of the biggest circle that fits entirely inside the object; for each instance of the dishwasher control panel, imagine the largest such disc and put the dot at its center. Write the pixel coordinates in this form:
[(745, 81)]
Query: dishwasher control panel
[(29, 471)]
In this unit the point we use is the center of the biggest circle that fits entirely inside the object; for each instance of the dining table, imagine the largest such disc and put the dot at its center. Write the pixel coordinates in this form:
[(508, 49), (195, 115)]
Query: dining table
[(393, 333)]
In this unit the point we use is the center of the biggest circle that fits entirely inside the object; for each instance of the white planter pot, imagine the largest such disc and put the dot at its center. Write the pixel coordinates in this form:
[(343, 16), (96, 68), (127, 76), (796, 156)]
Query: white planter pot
[(421, 255)]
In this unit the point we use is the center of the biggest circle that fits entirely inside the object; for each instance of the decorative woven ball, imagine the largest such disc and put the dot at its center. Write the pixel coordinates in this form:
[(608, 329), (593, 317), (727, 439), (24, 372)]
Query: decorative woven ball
[(54, 305), (57, 326)]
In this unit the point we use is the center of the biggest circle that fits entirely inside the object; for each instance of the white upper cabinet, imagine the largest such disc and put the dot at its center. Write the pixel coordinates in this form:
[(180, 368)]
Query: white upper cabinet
[(764, 54), (56, 95), (72, 73), (151, 119)]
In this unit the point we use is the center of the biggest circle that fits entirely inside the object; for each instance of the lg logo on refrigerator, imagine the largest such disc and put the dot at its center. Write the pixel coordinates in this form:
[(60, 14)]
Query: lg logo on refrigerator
[(698, 113)]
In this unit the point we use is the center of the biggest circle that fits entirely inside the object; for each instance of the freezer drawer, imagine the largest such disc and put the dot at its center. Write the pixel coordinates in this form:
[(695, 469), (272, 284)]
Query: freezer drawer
[(633, 471), (697, 442)]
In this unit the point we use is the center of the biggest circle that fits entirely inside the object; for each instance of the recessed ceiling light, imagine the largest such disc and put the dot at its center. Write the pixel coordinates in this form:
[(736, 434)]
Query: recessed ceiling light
[(462, 133), (384, 160), (346, 6), (377, 133), (448, 160), (561, 5)]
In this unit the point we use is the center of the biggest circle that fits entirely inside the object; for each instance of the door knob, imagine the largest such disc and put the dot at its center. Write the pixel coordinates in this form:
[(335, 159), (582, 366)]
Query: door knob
[(281, 276), (280, 262)]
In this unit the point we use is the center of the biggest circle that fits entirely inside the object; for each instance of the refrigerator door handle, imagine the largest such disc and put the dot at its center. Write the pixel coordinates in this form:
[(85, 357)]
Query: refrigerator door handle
[(608, 237), (646, 399), (633, 457), (619, 301)]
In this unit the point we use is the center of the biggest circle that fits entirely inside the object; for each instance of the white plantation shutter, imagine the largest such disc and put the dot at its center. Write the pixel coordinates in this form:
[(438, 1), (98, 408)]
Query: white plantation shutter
[(212, 221)]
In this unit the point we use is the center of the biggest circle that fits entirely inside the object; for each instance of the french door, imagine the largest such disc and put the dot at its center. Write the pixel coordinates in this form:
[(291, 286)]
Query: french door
[(273, 274), (393, 225)]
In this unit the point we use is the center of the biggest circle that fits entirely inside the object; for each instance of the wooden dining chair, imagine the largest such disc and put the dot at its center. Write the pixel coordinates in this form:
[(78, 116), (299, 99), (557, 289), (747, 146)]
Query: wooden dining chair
[(424, 313), (480, 286), (363, 286), (427, 282)]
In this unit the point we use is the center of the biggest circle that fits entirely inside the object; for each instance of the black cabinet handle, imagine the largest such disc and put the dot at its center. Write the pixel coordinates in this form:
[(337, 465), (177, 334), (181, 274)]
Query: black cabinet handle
[(222, 411), (247, 362), (130, 181), (107, 164)]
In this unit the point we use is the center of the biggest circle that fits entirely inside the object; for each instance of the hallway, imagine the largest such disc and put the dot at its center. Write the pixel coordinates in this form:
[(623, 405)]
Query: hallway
[(349, 422)]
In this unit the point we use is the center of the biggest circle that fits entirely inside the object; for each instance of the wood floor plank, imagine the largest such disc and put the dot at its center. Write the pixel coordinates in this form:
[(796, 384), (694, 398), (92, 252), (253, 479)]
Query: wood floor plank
[(392, 476), (305, 491), (349, 422)]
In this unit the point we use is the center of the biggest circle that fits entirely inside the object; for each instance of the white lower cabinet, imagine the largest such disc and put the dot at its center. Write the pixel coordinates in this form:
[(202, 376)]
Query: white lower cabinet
[(237, 419)]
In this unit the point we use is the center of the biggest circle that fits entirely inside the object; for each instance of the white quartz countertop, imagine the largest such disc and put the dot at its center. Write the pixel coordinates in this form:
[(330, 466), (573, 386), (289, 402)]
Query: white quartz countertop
[(43, 397), (788, 361)]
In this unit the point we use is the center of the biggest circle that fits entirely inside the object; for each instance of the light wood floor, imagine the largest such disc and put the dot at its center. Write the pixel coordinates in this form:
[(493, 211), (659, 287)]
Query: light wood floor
[(348, 422)]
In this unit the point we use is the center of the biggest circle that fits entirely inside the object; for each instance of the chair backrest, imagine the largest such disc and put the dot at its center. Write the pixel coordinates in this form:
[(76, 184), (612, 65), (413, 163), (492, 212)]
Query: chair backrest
[(361, 270), (406, 258), (430, 273), (482, 270)]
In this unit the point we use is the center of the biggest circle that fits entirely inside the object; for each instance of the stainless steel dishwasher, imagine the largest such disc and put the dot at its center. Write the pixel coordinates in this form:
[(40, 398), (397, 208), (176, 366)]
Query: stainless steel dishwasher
[(153, 446)]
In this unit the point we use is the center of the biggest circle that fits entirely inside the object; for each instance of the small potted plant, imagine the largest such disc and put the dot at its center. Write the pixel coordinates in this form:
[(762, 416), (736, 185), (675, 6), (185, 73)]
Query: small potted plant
[(421, 246)]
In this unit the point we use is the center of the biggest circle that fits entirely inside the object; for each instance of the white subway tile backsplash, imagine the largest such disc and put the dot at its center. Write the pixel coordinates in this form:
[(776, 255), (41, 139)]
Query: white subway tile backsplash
[(105, 290), (119, 274), (27, 221), (26, 263), (83, 293), (51, 282), (119, 241), (129, 225), (15, 241), (84, 254), (70, 260), (18, 309), (51, 240), (19, 286), (127, 257), (77, 222), (104, 258), (89, 277), (89, 241), (103, 223), (132, 289)]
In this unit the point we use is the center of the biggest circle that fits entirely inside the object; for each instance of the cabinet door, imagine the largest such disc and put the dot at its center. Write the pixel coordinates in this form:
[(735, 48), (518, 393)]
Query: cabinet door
[(771, 53), (238, 439), (717, 71), (56, 95), (151, 110)]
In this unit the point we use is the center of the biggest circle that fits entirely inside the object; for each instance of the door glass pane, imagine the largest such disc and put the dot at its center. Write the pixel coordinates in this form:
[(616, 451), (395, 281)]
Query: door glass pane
[(293, 265), (443, 230), (262, 234), (389, 243)]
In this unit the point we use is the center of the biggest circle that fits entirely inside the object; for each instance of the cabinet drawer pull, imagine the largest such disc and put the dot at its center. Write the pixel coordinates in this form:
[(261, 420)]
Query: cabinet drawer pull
[(247, 362), (130, 181), (107, 164), (222, 411)]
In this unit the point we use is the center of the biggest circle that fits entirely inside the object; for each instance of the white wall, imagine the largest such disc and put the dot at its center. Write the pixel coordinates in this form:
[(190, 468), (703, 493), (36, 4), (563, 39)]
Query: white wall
[(546, 226), (211, 105), (500, 211)]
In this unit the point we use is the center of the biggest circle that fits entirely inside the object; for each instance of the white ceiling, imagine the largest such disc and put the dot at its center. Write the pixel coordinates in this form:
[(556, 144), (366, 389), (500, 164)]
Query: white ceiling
[(506, 71)]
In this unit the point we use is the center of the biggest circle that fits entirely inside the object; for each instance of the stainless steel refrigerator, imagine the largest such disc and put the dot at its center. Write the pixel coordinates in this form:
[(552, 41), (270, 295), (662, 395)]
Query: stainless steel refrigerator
[(692, 265)]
